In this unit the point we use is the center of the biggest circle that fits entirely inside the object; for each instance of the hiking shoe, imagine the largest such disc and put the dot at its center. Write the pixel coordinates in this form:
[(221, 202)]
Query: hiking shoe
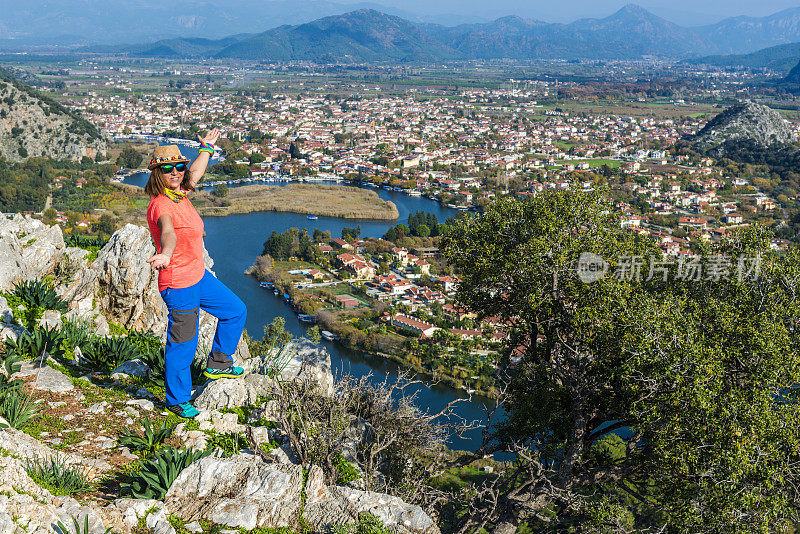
[(230, 372), (184, 409)]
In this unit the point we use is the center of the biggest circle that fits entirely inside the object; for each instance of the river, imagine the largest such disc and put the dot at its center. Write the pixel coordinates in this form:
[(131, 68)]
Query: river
[(234, 241)]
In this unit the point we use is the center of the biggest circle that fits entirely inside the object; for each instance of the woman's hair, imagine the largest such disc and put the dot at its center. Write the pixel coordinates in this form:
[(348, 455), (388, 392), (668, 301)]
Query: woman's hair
[(156, 184)]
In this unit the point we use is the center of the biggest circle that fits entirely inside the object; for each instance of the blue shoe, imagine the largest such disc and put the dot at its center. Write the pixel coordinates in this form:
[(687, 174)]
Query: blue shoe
[(230, 372), (184, 409)]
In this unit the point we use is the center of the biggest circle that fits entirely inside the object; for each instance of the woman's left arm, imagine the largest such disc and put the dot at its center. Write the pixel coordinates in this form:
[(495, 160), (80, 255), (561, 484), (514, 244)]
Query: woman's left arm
[(198, 167)]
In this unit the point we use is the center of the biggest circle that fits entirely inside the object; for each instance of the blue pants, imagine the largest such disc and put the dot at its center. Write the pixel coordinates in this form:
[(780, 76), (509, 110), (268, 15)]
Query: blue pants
[(184, 313)]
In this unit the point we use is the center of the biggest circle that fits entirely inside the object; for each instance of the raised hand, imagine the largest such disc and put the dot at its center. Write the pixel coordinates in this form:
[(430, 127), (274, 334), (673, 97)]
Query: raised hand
[(211, 137)]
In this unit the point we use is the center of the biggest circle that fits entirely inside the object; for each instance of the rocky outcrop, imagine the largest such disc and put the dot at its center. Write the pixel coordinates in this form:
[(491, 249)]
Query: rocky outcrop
[(244, 492), (240, 492), (29, 248), (32, 126), (340, 505), (745, 122)]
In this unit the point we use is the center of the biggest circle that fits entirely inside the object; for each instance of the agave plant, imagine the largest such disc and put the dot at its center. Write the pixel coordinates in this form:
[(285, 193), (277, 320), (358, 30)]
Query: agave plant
[(77, 333), (77, 527), (157, 474), (37, 294), (151, 351), (151, 439), (104, 354), (35, 345), (16, 408)]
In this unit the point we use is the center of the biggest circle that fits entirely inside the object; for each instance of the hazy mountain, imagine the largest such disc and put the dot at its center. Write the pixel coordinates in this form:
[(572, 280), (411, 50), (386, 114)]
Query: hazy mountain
[(746, 34), (778, 58), (363, 35), (124, 21), (188, 47), (369, 35)]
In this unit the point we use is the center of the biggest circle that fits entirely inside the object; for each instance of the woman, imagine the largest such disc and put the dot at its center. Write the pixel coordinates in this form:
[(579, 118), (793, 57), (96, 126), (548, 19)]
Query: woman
[(183, 281)]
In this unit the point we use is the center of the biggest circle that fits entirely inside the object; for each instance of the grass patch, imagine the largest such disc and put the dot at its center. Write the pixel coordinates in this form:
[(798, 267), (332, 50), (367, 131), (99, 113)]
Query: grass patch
[(57, 477)]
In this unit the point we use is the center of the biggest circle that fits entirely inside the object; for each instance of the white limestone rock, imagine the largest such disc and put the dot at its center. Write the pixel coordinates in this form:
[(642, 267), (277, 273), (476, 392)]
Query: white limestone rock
[(240, 492)]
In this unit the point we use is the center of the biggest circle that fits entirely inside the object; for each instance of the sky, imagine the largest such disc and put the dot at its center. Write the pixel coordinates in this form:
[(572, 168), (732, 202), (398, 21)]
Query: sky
[(684, 12)]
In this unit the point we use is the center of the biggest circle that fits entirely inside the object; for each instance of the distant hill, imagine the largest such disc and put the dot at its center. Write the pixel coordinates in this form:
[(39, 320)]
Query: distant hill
[(778, 58), (189, 47), (743, 126), (794, 74), (362, 35), (738, 35), (32, 125), (123, 21), (369, 35)]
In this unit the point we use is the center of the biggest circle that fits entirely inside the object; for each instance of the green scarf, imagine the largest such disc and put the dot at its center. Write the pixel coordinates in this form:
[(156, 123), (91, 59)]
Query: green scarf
[(176, 196)]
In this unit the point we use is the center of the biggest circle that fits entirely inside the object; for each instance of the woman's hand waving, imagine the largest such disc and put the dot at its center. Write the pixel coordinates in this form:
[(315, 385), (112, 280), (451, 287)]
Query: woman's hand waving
[(211, 137)]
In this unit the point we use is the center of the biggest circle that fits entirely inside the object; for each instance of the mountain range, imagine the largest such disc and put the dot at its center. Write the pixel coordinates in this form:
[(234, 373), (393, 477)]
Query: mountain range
[(368, 35)]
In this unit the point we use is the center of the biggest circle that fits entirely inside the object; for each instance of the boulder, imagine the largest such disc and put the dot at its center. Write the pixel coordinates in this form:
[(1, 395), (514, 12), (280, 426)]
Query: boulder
[(233, 392), (13, 266), (121, 281), (136, 368), (240, 492), (42, 249), (312, 361), (47, 378), (50, 319)]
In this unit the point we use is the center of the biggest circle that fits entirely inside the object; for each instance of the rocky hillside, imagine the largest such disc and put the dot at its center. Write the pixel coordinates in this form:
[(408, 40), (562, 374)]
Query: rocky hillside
[(33, 125), (240, 465), (745, 123)]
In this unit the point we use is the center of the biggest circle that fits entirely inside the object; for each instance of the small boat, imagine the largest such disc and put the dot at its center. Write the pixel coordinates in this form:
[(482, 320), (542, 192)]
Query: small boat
[(268, 285), (330, 336), (287, 297), (275, 291), (305, 318), (312, 217)]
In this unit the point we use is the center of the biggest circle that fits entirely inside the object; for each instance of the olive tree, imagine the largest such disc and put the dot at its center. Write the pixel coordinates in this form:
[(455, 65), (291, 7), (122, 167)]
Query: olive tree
[(651, 394)]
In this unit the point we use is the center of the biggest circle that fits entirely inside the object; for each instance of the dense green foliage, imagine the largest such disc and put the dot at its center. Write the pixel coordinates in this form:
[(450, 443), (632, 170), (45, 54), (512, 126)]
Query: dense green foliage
[(37, 294), (292, 243), (104, 354), (149, 441), (157, 474), (695, 377)]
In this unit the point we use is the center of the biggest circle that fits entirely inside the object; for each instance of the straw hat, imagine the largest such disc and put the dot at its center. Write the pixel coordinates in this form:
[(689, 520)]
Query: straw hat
[(166, 154)]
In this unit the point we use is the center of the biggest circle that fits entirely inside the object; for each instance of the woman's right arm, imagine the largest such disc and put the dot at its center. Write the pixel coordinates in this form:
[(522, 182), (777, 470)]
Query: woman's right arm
[(169, 240)]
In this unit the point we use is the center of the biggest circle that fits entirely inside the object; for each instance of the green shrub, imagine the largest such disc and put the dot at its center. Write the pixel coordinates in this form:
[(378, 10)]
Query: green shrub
[(37, 294), (16, 408), (229, 444), (367, 524), (345, 471), (157, 474), (104, 354), (58, 477), (151, 439)]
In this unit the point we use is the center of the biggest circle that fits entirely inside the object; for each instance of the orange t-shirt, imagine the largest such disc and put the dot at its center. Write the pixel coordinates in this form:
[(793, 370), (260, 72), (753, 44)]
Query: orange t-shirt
[(186, 267)]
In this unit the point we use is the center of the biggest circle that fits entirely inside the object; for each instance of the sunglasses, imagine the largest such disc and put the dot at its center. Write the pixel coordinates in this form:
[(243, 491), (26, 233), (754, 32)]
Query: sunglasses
[(166, 169)]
